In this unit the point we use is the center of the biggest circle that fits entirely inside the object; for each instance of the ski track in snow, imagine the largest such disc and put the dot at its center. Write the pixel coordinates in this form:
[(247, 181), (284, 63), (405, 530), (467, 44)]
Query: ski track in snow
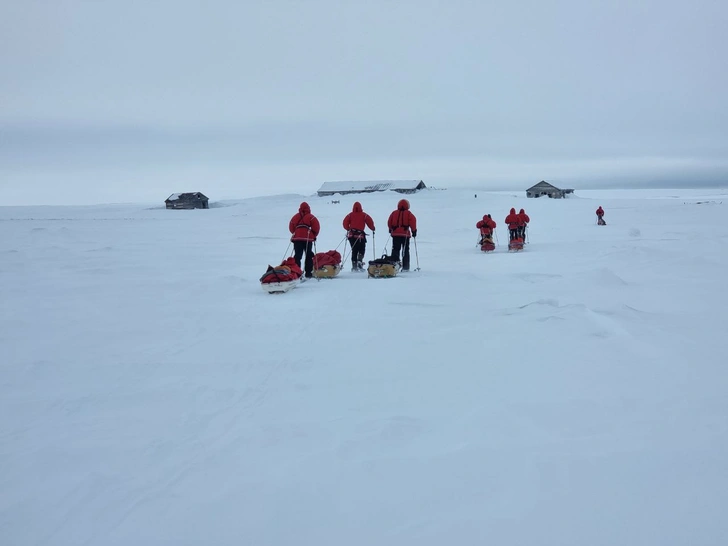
[(569, 394)]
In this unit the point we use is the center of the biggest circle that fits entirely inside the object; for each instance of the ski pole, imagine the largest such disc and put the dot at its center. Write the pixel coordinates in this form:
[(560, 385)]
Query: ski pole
[(374, 247), (308, 253), (313, 259), (417, 256)]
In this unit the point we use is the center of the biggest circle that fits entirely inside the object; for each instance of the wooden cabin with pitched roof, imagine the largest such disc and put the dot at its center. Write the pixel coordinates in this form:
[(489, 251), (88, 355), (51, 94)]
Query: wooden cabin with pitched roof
[(543, 188)]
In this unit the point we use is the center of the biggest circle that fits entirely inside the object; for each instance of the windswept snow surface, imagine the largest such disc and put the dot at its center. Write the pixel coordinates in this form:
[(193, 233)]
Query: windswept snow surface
[(572, 394)]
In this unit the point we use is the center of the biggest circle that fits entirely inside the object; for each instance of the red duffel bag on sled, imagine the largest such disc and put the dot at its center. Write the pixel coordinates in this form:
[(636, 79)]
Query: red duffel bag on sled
[(487, 244), (282, 278), (326, 265), (516, 245)]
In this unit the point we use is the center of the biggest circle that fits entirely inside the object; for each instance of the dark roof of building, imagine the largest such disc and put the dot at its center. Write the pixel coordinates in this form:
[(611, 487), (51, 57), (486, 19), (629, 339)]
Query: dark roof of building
[(370, 185), (188, 195), (543, 184)]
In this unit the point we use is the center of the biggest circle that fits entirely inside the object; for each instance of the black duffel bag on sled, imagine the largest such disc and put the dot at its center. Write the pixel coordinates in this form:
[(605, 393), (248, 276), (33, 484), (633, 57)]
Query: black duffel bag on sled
[(384, 267)]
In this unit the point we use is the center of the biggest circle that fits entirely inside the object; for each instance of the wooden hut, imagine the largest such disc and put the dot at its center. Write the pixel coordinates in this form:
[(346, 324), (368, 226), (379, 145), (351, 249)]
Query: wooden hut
[(549, 190), (192, 200)]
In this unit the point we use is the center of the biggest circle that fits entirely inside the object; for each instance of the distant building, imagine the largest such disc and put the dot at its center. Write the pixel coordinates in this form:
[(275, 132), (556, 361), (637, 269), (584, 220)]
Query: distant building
[(344, 188), (193, 200), (544, 188)]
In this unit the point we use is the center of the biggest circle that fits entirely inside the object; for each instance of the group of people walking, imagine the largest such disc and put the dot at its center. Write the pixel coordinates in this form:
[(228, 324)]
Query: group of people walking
[(517, 224), (305, 227), (402, 225)]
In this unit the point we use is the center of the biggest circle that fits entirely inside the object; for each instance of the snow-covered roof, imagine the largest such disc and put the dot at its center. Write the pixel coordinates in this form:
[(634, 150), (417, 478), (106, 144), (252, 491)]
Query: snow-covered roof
[(173, 197), (370, 185)]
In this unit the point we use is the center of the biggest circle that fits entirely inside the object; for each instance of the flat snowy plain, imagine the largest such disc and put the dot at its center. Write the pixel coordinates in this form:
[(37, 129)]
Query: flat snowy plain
[(575, 393)]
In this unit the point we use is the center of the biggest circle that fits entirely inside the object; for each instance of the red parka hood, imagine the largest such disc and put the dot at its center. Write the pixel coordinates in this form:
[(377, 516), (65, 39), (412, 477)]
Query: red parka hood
[(304, 208), (521, 211), (403, 204), (513, 211), (357, 207)]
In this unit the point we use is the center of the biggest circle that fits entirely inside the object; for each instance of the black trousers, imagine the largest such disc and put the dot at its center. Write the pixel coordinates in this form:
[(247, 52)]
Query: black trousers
[(358, 249), (513, 233), (299, 247), (397, 244), (522, 232)]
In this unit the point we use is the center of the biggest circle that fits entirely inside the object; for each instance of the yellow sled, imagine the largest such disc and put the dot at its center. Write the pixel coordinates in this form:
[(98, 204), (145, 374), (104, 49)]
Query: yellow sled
[(327, 271), (383, 268)]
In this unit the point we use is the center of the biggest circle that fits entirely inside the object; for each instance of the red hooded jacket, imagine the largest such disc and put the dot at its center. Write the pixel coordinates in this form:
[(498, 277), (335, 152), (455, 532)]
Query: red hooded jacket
[(304, 226), (600, 211), (486, 225), (513, 220), (524, 217), (356, 221), (402, 220)]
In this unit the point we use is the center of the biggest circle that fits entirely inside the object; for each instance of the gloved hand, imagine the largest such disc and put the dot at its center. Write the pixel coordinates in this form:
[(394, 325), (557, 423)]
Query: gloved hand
[(373, 232), (390, 231), (414, 233)]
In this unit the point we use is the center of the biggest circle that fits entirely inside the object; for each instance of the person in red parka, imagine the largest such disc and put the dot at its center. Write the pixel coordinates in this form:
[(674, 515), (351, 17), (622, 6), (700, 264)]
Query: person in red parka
[(400, 222), (354, 224), (486, 227), (514, 224), (304, 228), (600, 216), (524, 223)]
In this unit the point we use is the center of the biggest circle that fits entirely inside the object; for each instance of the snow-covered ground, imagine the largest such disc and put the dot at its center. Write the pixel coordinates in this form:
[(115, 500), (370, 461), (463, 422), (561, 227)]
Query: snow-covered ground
[(572, 394)]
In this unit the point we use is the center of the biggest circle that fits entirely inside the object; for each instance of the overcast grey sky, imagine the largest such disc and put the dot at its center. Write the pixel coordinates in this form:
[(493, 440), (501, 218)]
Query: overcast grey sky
[(123, 100)]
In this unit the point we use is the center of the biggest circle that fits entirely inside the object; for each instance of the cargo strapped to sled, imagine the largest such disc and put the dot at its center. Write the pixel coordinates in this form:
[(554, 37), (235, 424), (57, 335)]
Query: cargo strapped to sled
[(384, 267), (384, 260)]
